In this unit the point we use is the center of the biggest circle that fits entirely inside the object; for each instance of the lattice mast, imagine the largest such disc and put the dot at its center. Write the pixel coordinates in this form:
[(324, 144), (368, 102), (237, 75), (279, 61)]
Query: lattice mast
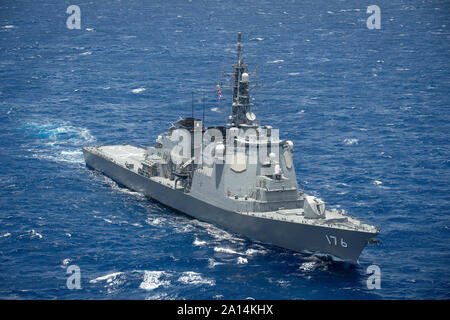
[(241, 114)]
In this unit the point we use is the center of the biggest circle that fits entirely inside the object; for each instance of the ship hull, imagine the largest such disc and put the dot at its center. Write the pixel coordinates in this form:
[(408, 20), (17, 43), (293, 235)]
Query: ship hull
[(342, 244)]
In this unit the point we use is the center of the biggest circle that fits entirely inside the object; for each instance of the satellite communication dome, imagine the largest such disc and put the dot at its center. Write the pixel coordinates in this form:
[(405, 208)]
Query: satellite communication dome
[(245, 77), (250, 116)]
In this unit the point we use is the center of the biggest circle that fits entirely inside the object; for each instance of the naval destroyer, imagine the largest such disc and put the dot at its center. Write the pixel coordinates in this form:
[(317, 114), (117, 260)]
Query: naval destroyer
[(240, 176)]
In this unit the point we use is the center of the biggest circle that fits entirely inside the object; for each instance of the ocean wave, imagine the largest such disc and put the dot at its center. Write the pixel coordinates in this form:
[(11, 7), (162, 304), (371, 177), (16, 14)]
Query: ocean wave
[(161, 296), (63, 132), (58, 142), (135, 224), (212, 263), (155, 221), (216, 233), (58, 158), (198, 242), (248, 252), (226, 250), (75, 156), (194, 278), (138, 90), (308, 266), (241, 260), (108, 278), (283, 283), (184, 228), (251, 252), (349, 10), (35, 234), (351, 141), (152, 280)]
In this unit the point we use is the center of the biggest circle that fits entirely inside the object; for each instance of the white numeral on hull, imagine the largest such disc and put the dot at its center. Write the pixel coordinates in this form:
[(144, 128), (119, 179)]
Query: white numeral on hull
[(333, 241)]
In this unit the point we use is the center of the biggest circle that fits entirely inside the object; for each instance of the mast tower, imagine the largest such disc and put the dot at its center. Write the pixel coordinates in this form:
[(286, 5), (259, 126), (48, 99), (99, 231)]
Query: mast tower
[(241, 114)]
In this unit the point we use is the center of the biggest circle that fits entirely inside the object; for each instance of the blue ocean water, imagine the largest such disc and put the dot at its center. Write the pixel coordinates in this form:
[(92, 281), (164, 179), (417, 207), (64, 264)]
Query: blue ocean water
[(367, 110)]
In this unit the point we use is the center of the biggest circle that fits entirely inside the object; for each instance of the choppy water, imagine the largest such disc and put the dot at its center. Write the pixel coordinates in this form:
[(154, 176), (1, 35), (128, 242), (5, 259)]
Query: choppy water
[(367, 110)]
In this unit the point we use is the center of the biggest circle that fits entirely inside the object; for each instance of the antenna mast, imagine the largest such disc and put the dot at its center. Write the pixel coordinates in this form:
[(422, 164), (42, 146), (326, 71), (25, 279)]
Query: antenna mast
[(241, 114)]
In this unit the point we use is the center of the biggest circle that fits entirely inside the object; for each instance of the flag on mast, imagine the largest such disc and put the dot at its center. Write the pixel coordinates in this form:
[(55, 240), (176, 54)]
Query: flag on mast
[(219, 93)]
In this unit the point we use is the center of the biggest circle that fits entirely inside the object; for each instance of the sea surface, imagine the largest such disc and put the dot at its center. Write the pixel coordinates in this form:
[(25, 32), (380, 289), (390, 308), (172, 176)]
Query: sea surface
[(367, 110)]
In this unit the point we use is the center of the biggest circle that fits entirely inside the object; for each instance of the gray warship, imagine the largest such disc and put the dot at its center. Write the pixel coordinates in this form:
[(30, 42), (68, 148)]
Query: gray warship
[(240, 177)]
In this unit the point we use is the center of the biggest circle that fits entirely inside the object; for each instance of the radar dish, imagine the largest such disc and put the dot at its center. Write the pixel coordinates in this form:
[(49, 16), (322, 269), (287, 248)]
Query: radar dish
[(250, 116)]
